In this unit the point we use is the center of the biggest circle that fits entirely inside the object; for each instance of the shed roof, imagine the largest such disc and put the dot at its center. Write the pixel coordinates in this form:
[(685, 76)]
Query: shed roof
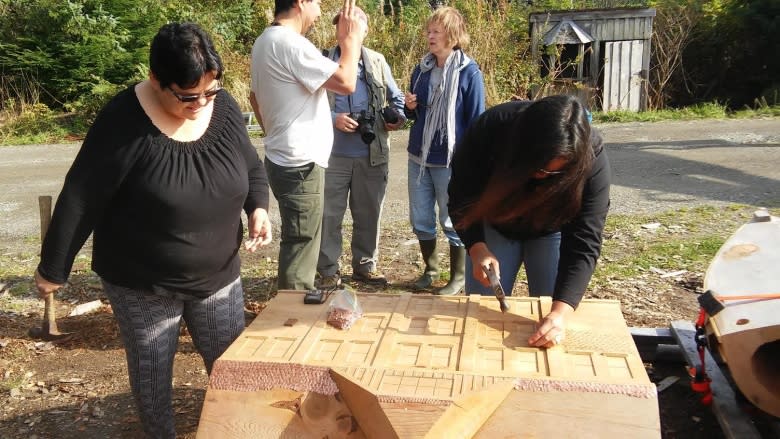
[(589, 14), (566, 32)]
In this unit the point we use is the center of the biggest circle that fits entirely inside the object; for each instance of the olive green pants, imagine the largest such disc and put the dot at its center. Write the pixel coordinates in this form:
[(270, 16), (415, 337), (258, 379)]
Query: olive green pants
[(300, 193)]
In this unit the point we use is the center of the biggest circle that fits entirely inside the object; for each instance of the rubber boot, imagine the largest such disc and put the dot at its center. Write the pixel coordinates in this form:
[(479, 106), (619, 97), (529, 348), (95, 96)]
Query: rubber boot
[(457, 273), (431, 259)]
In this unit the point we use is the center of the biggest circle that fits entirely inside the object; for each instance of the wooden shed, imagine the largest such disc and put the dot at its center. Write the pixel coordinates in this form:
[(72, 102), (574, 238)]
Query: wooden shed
[(602, 54)]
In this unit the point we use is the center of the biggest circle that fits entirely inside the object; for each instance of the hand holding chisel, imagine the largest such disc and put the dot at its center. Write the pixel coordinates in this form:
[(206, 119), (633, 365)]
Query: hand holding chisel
[(495, 283)]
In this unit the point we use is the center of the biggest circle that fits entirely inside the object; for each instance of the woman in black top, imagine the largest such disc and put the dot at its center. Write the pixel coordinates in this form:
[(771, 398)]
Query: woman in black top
[(530, 184), (160, 181)]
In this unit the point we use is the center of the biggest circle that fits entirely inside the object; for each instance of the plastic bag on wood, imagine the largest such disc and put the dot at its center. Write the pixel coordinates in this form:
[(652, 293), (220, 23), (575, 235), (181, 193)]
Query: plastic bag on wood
[(344, 309)]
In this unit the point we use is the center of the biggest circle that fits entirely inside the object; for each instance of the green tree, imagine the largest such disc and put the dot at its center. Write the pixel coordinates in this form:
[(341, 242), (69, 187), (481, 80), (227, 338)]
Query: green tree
[(742, 52), (69, 47)]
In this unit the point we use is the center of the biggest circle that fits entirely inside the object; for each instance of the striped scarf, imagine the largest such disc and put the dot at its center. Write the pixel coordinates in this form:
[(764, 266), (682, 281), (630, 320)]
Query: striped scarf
[(440, 117)]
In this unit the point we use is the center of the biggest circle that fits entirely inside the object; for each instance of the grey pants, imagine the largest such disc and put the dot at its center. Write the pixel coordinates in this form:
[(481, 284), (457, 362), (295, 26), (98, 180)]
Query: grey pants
[(299, 191), (149, 326), (355, 181)]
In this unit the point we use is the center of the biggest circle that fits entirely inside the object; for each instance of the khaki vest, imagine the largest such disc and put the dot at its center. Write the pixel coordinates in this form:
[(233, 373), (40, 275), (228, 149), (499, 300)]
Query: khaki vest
[(373, 64)]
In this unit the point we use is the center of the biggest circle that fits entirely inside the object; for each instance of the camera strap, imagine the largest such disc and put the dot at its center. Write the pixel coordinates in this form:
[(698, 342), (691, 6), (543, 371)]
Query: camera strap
[(368, 76)]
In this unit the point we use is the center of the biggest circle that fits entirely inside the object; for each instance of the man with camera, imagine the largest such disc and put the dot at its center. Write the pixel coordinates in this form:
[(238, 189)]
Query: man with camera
[(358, 165), (289, 80)]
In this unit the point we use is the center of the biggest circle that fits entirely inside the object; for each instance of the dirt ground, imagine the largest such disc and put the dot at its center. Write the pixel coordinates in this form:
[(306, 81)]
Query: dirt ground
[(78, 388)]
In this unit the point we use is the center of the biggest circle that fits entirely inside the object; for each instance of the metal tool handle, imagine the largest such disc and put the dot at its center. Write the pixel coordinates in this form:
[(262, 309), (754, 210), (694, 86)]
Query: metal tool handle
[(503, 305), (495, 283)]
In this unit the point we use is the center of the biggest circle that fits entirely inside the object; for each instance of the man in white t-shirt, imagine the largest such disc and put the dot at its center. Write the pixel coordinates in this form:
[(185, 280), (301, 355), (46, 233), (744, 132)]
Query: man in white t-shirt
[(289, 82)]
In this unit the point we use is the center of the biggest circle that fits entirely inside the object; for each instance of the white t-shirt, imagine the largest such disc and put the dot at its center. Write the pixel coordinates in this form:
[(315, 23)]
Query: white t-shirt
[(288, 72)]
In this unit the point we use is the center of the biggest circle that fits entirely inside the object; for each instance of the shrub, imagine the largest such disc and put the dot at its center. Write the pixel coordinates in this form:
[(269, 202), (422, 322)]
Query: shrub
[(89, 104), (65, 45), (34, 124)]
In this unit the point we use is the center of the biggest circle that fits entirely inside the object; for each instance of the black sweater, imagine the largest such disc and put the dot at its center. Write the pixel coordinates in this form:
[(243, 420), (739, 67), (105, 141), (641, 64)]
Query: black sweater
[(580, 238), (165, 214)]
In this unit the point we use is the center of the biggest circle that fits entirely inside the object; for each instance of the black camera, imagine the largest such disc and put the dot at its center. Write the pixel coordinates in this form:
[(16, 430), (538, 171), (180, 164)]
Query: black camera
[(391, 115), (365, 125)]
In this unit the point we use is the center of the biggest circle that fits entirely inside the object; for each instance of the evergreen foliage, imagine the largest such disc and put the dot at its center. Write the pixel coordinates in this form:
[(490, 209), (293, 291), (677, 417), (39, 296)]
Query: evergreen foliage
[(737, 53)]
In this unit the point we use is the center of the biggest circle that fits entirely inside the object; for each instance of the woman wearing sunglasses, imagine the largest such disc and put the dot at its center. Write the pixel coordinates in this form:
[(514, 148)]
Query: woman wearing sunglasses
[(161, 180), (530, 185)]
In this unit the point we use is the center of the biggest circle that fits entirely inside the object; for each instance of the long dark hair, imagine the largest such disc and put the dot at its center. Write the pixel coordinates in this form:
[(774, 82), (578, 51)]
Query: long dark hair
[(555, 126), (181, 53)]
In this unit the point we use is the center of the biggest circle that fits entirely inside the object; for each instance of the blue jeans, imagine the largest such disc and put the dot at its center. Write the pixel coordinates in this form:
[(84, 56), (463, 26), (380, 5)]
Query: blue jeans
[(425, 196), (540, 256)]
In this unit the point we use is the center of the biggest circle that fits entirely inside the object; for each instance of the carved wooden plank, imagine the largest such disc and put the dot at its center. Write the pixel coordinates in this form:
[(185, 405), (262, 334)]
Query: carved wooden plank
[(578, 415), (274, 414), (599, 355), (416, 366), (465, 416)]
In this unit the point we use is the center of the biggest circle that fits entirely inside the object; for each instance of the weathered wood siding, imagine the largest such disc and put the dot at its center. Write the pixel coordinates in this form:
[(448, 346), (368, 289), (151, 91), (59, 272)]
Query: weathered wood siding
[(609, 26), (622, 75)]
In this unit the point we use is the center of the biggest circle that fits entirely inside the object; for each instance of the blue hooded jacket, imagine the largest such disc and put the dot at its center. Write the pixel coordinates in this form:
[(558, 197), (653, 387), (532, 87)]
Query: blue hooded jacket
[(469, 105)]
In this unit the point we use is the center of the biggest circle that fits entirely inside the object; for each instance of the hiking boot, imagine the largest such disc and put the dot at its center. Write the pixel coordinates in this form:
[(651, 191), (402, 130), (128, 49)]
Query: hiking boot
[(330, 282), (369, 277)]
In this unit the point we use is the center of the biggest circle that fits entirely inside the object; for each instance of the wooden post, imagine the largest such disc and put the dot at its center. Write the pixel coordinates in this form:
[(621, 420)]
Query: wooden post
[(49, 314)]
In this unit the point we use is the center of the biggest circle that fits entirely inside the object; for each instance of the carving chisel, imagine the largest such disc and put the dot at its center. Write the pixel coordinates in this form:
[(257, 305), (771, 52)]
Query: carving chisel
[(497, 288)]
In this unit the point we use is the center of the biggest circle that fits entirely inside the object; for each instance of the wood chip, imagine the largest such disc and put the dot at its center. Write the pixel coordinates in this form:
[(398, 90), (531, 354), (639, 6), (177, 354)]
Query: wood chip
[(290, 322), (86, 308), (657, 271)]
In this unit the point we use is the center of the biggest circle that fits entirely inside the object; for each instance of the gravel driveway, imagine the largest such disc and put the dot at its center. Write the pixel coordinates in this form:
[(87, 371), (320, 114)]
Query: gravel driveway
[(656, 166)]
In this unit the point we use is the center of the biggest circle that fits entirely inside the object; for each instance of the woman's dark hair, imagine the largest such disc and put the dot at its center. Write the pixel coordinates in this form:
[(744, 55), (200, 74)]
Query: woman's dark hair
[(181, 54), (555, 126)]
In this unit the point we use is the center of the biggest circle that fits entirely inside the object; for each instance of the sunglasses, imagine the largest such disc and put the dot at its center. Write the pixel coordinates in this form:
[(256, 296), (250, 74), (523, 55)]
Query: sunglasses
[(186, 99)]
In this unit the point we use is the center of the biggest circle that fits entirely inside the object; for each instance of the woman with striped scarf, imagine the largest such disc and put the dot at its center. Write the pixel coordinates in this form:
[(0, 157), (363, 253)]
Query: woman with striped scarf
[(446, 94)]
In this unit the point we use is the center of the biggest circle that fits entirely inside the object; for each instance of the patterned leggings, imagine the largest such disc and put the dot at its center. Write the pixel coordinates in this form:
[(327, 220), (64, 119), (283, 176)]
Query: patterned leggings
[(149, 325)]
